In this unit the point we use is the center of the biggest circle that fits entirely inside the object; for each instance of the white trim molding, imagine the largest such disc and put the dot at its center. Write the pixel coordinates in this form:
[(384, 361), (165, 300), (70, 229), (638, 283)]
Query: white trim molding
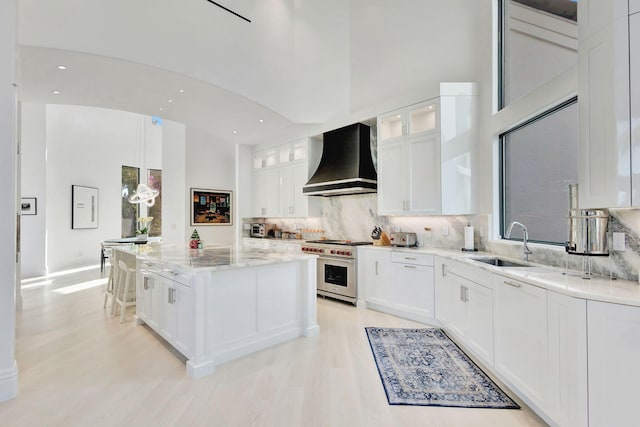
[(9, 383)]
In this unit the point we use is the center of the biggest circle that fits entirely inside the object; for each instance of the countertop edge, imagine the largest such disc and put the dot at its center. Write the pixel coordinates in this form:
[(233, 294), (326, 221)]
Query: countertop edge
[(616, 291)]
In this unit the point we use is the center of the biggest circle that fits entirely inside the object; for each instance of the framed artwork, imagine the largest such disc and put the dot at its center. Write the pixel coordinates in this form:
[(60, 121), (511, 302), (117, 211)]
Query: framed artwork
[(211, 207), (84, 207), (28, 206)]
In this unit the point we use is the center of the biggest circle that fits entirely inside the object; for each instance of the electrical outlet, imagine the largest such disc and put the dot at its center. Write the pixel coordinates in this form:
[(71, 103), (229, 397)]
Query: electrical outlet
[(619, 243), (445, 230)]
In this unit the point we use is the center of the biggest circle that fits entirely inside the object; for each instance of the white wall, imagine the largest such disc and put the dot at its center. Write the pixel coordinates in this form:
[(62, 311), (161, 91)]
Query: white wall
[(174, 194), (8, 162), (33, 179), (210, 164), (86, 146)]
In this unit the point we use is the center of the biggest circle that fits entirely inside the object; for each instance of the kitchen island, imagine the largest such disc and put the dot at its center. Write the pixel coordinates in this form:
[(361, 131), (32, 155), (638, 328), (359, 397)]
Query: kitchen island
[(220, 303)]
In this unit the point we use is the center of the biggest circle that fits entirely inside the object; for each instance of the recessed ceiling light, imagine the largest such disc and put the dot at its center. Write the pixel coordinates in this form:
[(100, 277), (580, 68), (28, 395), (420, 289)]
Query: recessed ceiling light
[(261, 121), (62, 67), (181, 90), (235, 132), (170, 101), (55, 92), (161, 108)]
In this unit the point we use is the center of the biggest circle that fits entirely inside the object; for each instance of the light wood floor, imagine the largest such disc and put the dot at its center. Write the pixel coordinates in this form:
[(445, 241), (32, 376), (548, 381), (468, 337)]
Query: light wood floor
[(78, 366)]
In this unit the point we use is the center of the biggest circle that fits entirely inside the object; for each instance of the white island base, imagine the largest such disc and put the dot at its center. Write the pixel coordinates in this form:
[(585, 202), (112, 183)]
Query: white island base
[(213, 315)]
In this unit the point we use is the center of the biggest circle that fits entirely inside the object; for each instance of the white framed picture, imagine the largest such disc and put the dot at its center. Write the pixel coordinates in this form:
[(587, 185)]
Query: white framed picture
[(84, 207)]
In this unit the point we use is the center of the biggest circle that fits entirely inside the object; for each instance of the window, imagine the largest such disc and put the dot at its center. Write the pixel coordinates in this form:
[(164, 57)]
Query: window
[(538, 42), (130, 211), (154, 182), (538, 163)]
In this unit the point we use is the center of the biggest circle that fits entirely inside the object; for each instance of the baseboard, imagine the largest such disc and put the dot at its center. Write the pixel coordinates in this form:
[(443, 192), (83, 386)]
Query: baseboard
[(9, 383)]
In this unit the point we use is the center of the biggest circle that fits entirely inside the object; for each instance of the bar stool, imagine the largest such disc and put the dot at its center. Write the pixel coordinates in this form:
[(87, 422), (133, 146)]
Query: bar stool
[(111, 284), (126, 282)]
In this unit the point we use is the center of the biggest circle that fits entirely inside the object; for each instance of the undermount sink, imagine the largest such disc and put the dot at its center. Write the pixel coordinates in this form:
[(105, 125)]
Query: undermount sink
[(499, 262)]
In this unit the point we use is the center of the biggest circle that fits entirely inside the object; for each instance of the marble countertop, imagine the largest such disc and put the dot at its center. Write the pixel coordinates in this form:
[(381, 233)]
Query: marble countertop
[(212, 257), (555, 279)]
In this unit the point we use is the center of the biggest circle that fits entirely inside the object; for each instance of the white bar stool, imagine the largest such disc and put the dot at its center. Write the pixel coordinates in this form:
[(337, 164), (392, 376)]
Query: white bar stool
[(111, 284), (125, 283)]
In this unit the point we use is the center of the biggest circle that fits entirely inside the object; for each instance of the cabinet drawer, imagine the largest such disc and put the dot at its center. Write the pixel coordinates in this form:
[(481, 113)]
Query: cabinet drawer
[(412, 258), (165, 271)]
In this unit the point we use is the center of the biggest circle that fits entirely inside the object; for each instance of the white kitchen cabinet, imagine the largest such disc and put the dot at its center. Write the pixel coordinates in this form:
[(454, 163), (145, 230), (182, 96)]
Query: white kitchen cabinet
[(614, 373), (409, 176), (464, 305), (425, 155), (278, 177), (609, 107), (412, 290), (166, 304), (409, 121), (566, 392), (266, 188), (604, 140), (392, 180), (373, 276), (178, 316), (520, 336), (149, 298), (397, 282)]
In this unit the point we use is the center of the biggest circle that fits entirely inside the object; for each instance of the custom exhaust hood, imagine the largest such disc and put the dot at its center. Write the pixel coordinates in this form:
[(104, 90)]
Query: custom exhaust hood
[(346, 166)]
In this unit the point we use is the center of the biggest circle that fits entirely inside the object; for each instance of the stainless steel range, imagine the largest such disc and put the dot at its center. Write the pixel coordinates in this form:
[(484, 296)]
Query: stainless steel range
[(337, 264)]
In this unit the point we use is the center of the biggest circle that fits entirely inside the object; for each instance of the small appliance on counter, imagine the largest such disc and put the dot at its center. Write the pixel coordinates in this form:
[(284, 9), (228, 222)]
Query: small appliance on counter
[(262, 229), (587, 232), (257, 230), (404, 239)]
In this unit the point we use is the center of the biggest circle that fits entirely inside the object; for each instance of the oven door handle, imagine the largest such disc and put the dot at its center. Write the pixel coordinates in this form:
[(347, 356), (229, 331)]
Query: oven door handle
[(335, 260)]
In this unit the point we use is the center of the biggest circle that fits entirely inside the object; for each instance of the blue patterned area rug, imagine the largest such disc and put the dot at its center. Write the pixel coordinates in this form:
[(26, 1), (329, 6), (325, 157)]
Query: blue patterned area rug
[(424, 367)]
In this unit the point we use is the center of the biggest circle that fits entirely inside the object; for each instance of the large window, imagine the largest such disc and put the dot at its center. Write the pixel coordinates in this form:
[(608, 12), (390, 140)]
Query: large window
[(130, 212), (154, 182), (538, 163)]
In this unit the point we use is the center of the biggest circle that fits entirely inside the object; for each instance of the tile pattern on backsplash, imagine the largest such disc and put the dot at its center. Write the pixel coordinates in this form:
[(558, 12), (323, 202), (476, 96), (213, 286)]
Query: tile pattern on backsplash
[(354, 217)]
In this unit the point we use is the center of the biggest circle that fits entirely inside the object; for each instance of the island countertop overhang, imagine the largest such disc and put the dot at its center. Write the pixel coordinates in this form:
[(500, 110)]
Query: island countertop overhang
[(214, 257)]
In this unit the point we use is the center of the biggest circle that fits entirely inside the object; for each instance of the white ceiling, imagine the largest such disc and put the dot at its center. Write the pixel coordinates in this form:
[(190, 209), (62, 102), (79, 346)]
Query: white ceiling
[(300, 66)]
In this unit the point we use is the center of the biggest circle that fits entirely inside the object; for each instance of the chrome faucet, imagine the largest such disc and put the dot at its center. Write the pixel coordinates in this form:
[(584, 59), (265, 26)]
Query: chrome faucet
[(525, 248)]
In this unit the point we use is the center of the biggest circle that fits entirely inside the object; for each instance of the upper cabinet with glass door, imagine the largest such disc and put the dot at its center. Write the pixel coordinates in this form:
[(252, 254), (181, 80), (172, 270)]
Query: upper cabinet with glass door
[(409, 121)]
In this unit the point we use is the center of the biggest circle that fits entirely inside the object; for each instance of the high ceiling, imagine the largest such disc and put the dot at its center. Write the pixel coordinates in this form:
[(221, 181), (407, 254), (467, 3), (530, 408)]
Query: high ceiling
[(299, 66)]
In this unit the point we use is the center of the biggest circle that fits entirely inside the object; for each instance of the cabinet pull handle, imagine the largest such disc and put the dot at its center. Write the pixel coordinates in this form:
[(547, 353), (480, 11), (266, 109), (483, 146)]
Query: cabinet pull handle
[(515, 285), (466, 294), (444, 270), (173, 295), (410, 258), (410, 266), (461, 293), (146, 283), (169, 296), (376, 268)]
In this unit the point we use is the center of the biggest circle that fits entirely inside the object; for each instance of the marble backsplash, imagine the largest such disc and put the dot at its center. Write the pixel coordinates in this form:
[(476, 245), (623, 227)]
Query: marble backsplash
[(354, 217)]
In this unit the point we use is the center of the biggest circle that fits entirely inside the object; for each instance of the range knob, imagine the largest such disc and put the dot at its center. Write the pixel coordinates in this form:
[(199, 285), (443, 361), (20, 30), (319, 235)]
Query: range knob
[(347, 253)]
